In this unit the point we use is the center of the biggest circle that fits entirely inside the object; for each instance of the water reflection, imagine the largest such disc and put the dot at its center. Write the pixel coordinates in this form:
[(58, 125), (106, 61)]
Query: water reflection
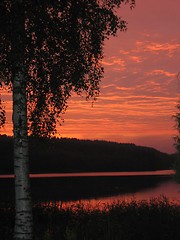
[(96, 174), (168, 189), (96, 189)]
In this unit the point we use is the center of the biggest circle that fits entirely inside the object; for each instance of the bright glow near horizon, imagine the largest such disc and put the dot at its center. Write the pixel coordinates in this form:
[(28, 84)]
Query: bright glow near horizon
[(139, 91)]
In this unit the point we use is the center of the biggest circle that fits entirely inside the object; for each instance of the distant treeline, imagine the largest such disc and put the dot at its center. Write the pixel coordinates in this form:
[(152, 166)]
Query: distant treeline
[(73, 155)]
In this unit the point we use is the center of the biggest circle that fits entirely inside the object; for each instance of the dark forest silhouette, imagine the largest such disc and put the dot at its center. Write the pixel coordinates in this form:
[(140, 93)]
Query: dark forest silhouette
[(73, 155)]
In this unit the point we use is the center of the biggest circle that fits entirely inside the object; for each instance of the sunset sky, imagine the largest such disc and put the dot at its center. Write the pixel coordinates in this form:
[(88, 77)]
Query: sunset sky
[(140, 88)]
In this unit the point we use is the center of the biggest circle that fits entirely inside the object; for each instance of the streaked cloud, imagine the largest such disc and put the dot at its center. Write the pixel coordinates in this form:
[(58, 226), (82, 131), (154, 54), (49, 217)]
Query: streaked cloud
[(136, 59), (115, 63), (169, 47), (162, 72), (139, 91)]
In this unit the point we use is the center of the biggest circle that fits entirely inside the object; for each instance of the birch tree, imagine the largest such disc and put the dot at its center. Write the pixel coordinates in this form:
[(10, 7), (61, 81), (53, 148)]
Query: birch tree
[(49, 49)]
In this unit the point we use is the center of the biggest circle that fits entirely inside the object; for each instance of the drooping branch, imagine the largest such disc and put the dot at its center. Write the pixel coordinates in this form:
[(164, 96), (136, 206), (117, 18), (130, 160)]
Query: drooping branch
[(63, 52)]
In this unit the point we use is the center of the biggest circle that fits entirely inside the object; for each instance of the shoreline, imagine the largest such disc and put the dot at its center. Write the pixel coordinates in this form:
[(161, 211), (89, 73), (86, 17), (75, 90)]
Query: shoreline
[(96, 174)]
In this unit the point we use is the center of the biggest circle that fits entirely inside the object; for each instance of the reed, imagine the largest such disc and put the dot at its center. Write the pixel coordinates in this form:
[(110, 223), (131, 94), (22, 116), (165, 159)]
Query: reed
[(143, 220)]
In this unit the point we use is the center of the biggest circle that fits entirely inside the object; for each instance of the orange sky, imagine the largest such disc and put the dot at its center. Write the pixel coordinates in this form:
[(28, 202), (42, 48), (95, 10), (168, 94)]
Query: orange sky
[(140, 89)]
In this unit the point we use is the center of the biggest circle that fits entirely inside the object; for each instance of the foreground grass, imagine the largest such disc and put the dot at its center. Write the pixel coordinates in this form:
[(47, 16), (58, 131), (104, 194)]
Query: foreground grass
[(146, 220)]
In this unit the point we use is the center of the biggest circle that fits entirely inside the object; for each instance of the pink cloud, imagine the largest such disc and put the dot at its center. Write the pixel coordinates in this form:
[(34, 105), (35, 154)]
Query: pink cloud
[(163, 47), (162, 72), (136, 59)]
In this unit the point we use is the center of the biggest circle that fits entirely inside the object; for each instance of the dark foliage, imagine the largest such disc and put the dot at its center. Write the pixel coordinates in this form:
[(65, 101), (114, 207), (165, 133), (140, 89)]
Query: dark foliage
[(177, 143), (73, 155), (61, 49), (157, 220)]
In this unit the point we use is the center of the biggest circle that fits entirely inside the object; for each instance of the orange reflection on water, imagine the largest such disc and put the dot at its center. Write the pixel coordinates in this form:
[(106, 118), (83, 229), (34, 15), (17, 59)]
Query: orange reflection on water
[(97, 205), (96, 174), (167, 192)]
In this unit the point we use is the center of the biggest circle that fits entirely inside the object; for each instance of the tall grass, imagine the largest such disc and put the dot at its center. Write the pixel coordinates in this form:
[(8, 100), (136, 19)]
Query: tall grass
[(142, 220)]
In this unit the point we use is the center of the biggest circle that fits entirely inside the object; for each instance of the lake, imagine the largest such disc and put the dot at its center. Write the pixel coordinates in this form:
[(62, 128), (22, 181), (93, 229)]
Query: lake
[(95, 188)]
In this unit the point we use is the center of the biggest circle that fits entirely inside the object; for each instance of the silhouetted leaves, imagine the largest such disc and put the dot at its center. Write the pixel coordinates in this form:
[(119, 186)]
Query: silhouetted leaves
[(63, 49), (177, 144)]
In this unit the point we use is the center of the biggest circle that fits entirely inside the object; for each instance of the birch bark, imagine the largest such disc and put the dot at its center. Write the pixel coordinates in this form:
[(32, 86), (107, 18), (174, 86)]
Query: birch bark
[(23, 218), (23, 208)]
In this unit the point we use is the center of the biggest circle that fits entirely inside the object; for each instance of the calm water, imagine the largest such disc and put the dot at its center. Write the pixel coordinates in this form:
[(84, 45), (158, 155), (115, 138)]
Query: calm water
[(96, 188), (169, 189)]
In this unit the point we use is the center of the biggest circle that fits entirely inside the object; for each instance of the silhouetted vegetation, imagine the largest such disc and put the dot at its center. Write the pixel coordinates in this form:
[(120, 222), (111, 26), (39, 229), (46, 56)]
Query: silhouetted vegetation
[(73, 155), (157, 219), (177, 141)]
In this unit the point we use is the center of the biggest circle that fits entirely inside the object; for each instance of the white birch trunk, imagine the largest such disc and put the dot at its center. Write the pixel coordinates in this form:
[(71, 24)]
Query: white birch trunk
[(23, 208)]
